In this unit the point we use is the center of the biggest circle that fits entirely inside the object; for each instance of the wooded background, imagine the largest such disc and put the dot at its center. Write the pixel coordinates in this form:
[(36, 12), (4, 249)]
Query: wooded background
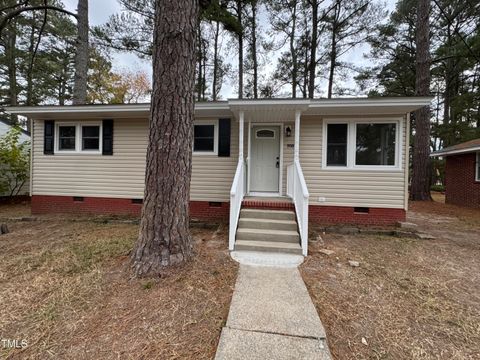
[(285, 48)]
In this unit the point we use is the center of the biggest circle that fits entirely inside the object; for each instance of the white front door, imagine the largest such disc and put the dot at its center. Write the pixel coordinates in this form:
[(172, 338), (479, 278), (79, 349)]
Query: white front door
[(265, 159)]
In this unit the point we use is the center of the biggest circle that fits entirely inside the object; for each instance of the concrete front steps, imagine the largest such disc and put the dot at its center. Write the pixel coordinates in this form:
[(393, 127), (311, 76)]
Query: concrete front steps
[(268, 230)]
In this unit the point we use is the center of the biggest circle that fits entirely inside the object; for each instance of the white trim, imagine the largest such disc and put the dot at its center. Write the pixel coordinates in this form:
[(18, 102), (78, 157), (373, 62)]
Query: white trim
[(31, 156), (248, 155), (351, 143), (280, 170), (441, 153), (265, 194), (477, 167), (78, 138), (406, 163), (412, 103), (215, 137)]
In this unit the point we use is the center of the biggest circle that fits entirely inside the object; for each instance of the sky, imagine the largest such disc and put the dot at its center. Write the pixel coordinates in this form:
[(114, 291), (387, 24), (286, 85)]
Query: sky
[(100, 10)]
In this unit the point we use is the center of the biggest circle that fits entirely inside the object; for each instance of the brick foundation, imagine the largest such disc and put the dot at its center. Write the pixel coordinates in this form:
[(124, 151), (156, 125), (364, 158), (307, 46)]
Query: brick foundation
[(212, 211), (273, 205), (47, 204), (347, 215), (461, 187)]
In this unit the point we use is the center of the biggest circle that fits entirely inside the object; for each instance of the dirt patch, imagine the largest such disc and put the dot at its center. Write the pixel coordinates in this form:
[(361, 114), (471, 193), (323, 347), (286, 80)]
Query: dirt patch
[(409, 298), (66, 289)]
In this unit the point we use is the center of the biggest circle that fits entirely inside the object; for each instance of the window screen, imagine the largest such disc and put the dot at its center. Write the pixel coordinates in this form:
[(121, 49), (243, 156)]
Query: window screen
[(204, 138), (90, 137), (375, 144), (66, 137), (337, 144)]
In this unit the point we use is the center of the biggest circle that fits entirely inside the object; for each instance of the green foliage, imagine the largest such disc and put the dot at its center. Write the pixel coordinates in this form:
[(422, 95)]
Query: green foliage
[(14, 162)]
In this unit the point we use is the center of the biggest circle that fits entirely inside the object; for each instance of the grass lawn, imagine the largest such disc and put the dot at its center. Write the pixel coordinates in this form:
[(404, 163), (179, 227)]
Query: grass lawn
[(66, 289), (409, 299)]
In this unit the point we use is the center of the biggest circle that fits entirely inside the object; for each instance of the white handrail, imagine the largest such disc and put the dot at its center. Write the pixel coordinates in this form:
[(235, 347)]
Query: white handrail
[(236, 197), (297, 190)]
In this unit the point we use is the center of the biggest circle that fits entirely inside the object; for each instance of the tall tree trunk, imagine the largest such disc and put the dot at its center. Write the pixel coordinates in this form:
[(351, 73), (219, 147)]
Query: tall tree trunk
[(313, 49), (420, 189), (11, 58), (215, 61), (333, 59), (293, 51), (199, 60), (81, 55), (240, 49), (254, 49), (164, 238), (333, 51)]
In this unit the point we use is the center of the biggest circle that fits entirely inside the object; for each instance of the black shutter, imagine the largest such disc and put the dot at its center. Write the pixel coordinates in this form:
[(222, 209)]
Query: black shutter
[(48, 137), (107, 137), (224, 137)]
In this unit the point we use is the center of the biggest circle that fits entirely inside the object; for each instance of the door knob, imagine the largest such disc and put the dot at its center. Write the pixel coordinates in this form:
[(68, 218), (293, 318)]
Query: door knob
[(278, 163)]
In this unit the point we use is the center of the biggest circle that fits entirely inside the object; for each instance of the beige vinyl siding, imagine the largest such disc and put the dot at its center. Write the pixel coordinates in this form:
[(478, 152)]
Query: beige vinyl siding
[(212, 176), (121, 175), (366, 188)]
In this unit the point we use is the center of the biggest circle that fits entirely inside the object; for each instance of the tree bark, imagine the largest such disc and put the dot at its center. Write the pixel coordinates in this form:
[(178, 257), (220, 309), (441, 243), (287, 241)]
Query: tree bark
[(215, 61), (240, 49), (164, 238), (11, 57), (293, 51), (254, 50), (333, 51), (313, 49), (81, 55), (420, 189)]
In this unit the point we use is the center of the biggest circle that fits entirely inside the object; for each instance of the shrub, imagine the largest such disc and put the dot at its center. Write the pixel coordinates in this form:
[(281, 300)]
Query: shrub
[(14, 162)]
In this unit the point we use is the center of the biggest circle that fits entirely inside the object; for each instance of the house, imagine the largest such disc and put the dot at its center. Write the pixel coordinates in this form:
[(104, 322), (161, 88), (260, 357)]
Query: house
[(268, 166), (462, 173), (5, 127)]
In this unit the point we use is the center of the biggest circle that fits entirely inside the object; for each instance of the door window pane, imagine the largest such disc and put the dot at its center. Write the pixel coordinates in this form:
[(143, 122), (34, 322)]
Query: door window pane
[(66, 137), (375, 144), (265, 133), (337, 144), (204, 138)]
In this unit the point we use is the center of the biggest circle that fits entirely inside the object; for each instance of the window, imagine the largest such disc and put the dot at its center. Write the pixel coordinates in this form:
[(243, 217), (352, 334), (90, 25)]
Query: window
[(375, 144), (337, 135), (362, 144), (91, 137), (67, 138), (477, 167), (78, 137), (205, 138), (265, 134)]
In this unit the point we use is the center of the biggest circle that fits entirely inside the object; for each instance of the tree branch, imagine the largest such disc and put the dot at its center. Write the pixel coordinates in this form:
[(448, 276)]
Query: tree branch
[(19, 11)]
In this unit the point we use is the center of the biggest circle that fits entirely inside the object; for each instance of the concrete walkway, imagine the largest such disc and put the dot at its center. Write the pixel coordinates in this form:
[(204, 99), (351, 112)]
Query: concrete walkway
[(272, 317)]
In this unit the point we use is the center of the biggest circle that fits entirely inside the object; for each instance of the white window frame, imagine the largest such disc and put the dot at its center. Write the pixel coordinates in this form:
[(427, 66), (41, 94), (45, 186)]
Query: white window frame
[(477, 167), (352, 143), (78, 138), (215, 137)]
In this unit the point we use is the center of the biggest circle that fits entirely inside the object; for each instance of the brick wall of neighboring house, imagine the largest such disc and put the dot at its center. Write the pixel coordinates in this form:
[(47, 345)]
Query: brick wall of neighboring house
[(47, 204), (213, 211), (461, 187)]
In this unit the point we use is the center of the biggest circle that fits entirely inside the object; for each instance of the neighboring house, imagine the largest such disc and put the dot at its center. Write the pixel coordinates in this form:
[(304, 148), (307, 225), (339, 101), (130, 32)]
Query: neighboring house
[(331, 161), (5, 127), (462, 173)]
